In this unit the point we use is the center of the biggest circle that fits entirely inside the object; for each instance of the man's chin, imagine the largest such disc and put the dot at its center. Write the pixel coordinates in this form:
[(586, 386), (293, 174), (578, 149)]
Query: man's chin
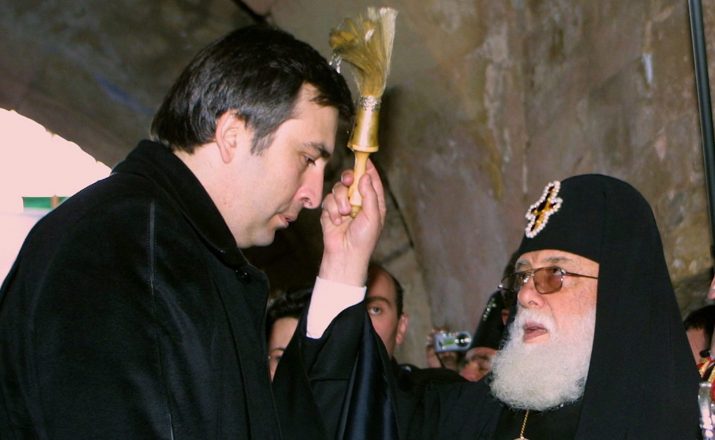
[(267, 240), (261, 240)]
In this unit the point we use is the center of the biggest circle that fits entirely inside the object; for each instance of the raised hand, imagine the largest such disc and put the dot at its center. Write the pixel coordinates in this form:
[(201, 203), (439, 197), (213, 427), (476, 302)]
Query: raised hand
[(349, 242)]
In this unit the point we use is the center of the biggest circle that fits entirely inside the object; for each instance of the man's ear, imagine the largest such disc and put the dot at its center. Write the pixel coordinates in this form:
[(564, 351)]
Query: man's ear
[(402, 325), (231, 135)]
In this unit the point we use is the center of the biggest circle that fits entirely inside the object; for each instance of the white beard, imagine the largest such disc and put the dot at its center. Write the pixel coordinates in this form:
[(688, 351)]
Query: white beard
[(541, 376)]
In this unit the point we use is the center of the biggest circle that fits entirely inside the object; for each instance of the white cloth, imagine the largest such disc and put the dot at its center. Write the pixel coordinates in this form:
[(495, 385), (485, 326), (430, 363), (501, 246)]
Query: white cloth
[(329, 298)]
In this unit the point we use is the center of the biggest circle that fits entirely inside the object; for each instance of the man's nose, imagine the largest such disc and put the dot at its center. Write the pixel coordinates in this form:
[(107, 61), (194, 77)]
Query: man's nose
[(528, 295), (311, 191)]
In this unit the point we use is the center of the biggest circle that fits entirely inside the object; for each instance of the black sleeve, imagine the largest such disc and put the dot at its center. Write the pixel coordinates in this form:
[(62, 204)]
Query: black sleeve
[(455, 411), (341, 379)]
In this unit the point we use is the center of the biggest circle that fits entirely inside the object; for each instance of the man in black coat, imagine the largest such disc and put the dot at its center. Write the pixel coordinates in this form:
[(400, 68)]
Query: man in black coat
[(130, 311)]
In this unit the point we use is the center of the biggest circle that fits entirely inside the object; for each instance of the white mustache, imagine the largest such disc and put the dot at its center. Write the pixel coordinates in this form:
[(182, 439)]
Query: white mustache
[(531, 316)]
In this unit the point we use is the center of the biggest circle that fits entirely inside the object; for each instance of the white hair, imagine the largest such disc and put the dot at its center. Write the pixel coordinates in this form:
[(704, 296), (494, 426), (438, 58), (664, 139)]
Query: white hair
[(541, 376)]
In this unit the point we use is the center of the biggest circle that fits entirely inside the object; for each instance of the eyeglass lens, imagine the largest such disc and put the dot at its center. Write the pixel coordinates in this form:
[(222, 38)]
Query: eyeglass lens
[(546, 280)]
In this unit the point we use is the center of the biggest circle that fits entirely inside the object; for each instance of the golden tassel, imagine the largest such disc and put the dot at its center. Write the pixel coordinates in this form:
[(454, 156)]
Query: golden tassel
[(366, 44)]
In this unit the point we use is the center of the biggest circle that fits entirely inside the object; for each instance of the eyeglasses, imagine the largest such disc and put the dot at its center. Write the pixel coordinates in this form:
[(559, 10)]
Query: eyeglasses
[(547, 280)]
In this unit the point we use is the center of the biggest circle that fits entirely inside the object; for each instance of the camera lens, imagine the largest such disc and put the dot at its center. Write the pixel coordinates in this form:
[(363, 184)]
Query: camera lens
[(463, 339)]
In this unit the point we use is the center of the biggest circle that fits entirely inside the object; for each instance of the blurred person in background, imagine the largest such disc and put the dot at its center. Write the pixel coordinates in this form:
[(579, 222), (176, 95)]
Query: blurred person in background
[(487, 338), (282, 317), (699, 329)]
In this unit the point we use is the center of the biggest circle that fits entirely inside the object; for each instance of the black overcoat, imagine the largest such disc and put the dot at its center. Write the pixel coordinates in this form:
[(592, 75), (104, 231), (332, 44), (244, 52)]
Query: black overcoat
[(130, 313)]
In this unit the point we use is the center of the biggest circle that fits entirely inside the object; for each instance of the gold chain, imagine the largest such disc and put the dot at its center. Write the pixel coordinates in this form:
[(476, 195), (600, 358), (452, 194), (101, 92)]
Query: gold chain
[(523, 426)]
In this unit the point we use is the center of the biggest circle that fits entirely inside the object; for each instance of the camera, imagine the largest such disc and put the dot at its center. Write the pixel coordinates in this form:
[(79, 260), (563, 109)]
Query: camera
[(452, 341)]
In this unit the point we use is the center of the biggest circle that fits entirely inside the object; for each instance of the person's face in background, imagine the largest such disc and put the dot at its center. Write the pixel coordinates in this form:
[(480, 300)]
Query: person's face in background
[(478, 360), (711, 291), (281, 334), (445, 359), (381, 302), (698, 342)]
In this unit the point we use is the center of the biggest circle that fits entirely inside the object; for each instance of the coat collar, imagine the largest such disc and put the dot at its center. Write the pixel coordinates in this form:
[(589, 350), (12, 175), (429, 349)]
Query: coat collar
[(157, 163)]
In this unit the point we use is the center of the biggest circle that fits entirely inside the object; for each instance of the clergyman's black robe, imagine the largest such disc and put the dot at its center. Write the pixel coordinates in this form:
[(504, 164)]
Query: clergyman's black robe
[(642, 381)]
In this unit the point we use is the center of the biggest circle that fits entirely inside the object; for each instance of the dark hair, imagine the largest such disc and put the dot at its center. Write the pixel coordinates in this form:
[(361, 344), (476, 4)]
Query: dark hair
[(702, 318), (372, 271), (289, 304), (256, 72)]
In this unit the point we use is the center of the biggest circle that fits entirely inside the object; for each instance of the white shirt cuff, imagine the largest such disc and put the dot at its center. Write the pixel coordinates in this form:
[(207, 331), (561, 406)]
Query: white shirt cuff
[(329, 298)]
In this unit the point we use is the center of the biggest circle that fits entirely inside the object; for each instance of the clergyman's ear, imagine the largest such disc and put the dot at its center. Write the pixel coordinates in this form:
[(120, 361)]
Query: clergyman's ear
[(231, 135)]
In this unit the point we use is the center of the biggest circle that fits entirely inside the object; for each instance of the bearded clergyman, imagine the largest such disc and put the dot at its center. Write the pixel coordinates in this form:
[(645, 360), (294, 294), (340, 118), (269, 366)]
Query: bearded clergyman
[(596, 349)]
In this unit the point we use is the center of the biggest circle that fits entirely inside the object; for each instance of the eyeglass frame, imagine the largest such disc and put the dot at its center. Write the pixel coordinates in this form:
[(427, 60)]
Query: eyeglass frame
[(529, 274)]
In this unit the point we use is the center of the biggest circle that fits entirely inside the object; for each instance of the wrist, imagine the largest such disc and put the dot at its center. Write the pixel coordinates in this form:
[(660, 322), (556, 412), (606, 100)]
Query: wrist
[(351, 271)]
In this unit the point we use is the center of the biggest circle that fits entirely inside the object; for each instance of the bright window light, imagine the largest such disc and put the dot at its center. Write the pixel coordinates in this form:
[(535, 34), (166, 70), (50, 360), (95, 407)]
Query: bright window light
[(40, 167)]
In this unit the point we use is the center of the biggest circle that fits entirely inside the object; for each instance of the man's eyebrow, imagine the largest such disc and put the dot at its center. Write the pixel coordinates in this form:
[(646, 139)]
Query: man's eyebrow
[(320, 148), (522, 265), (370, 299)]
